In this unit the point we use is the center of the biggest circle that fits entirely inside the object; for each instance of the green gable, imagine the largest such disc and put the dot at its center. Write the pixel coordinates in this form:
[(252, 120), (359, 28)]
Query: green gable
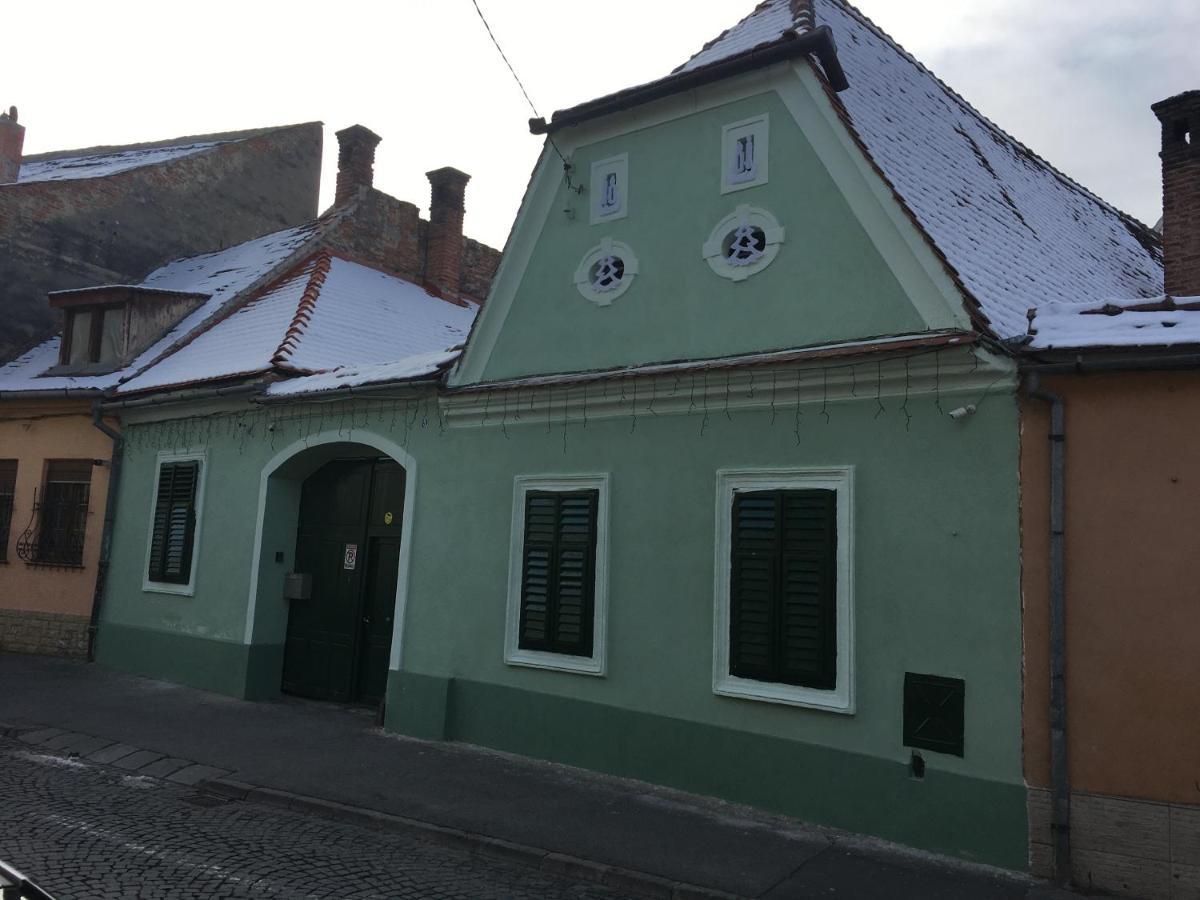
[(829, 282)]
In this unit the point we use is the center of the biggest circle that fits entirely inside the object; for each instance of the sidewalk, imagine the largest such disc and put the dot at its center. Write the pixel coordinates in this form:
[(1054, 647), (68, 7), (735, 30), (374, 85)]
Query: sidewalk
[(334, 754)]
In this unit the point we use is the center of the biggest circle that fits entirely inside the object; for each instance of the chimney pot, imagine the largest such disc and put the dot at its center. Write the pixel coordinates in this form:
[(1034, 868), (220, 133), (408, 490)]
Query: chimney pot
[(443, 258), (1180, 120), (356, 162), (12, 142)]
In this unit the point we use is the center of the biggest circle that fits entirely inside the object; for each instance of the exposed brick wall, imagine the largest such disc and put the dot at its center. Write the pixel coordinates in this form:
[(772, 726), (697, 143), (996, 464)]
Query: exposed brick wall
[(1180, 118), (478, 269), (66, 234), (52, 634), (383, 231)]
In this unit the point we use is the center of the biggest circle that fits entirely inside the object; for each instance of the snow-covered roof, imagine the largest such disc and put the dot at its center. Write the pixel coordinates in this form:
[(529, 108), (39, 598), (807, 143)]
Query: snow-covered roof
[(1014, 231), (351, 376), (98, 165), (327, 314), (221, 276), (1157, 322)]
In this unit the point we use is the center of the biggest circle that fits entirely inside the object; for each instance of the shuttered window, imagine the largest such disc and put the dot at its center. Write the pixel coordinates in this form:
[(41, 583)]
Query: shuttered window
[(174, 522), (8, 483), (783, 591), (558, 572)]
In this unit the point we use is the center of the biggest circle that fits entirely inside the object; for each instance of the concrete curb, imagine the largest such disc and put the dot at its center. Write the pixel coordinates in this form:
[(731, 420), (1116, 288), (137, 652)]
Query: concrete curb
[(559, 864)]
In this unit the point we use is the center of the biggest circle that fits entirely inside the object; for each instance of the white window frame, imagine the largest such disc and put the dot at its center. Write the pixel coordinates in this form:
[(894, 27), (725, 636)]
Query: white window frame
[(713, 250), (514, 655), (734, 481), (583, 273), (759, 127), (162, 587), (618, 165)]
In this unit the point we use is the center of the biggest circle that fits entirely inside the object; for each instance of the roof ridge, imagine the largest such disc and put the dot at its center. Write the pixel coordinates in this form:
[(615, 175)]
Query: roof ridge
[(217, 136), (304, 309), (988, 123)]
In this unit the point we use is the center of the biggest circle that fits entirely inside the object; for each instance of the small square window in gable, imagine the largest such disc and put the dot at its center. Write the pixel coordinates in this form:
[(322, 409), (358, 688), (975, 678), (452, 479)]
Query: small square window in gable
[(610, 189), (744, 154)]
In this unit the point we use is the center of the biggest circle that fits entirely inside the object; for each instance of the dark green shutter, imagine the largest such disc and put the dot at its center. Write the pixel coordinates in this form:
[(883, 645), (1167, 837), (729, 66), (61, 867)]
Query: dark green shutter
[(174, 522), (783, 587), (558, 572)]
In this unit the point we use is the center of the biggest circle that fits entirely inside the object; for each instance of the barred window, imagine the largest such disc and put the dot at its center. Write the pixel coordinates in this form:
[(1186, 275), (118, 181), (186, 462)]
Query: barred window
[(62, 512), (8, 483)]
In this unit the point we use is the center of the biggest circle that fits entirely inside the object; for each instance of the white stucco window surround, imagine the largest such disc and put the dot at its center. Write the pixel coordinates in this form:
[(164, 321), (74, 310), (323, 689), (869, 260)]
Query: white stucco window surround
[(610, 189), (606, 272), (840, 480), (744, 154), (514, 654), (164, 457), (743, 243)]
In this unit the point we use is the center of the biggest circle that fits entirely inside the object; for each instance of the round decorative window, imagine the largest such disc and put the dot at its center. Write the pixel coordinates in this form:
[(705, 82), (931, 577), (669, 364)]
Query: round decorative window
[(606, 272), (743, 243)]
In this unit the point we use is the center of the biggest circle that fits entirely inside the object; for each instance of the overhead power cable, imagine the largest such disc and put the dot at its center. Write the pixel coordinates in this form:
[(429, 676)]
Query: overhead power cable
[(520, 84)]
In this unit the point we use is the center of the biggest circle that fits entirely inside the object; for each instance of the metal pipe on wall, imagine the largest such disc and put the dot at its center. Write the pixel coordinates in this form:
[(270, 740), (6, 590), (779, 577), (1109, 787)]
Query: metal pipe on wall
[(1059, 774), (110, 513)]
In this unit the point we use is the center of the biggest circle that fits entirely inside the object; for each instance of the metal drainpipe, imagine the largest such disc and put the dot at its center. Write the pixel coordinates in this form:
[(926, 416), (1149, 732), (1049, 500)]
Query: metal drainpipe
[(110, 513), (1059, 776)]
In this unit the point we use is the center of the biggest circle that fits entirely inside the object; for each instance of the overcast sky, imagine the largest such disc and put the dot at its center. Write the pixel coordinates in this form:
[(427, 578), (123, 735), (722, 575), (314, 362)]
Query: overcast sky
[(1073, 79)]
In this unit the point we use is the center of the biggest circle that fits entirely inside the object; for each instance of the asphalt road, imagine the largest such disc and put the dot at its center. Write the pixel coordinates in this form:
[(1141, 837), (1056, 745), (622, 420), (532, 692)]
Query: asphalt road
[(84, 831)]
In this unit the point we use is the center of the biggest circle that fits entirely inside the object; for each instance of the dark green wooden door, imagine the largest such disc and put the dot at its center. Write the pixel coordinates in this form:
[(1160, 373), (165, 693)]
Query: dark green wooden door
[(339, 640)]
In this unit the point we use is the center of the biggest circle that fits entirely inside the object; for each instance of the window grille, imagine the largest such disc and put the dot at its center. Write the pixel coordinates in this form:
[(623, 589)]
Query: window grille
[(8, 481), (56, 531)]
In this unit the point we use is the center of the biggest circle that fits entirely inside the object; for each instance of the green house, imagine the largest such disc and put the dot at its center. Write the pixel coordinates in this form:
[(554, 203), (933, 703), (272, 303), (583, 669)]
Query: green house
[(722, 492)]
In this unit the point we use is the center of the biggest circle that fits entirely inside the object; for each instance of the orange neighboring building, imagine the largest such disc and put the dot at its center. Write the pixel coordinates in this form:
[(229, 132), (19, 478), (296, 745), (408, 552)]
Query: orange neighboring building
[(54, 473), (81, 217), (1111, 424)]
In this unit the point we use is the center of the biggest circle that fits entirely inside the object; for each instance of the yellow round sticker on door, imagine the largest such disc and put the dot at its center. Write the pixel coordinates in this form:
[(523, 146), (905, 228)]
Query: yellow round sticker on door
[(387, 518)]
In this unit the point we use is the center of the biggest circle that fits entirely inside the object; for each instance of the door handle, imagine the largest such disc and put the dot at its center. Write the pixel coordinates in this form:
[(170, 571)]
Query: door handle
[(366, 620)]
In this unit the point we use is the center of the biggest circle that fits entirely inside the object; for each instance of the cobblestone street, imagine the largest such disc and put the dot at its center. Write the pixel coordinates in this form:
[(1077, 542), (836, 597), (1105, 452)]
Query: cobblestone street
[(84, 831)]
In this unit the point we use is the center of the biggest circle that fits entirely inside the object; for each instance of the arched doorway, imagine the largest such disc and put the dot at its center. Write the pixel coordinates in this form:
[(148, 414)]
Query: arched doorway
[(347, 557), (280, 535)]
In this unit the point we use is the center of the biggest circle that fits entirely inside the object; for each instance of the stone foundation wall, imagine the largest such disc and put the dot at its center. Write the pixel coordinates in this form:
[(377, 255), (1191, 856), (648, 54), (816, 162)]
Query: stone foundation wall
[(1137, 848), (52, 634)]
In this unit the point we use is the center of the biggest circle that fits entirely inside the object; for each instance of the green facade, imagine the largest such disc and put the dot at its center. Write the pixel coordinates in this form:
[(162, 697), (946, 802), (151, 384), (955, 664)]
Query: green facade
[(936, 554)]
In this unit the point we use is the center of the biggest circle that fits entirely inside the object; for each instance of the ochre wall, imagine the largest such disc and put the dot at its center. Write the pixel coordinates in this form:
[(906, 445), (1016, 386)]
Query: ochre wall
[(31, 435), (1132, 583)]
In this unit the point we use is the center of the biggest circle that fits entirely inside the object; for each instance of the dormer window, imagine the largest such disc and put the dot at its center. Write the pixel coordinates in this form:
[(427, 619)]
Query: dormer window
[(93, 336), (105, 328)]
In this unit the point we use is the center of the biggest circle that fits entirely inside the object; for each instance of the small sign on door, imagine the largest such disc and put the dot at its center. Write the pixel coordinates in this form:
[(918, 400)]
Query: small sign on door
[(350, 560)]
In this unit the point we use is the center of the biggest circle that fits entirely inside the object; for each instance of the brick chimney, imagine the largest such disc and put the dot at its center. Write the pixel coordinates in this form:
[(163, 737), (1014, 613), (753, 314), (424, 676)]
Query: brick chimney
[(356, 162), (443, 254), (1180, 118), (12, 140)]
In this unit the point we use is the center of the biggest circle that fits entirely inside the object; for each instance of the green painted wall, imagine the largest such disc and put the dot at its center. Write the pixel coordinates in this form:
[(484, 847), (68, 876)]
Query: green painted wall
[(828, 282), (936, 569)]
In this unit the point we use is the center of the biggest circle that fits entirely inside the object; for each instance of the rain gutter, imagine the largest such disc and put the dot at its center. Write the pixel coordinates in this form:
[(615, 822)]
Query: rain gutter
[(819, 42), (1060, 820), (110, 515)]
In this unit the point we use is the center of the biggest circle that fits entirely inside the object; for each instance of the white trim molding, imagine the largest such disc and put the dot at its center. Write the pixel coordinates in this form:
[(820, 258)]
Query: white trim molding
[(610, 189), (835, 478), (745, 154), (584, 277), (596, 664), (716, 248), (164, 587)]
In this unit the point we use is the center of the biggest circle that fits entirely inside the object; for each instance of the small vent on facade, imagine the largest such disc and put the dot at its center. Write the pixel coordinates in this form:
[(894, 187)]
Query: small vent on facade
[(933, 713)]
